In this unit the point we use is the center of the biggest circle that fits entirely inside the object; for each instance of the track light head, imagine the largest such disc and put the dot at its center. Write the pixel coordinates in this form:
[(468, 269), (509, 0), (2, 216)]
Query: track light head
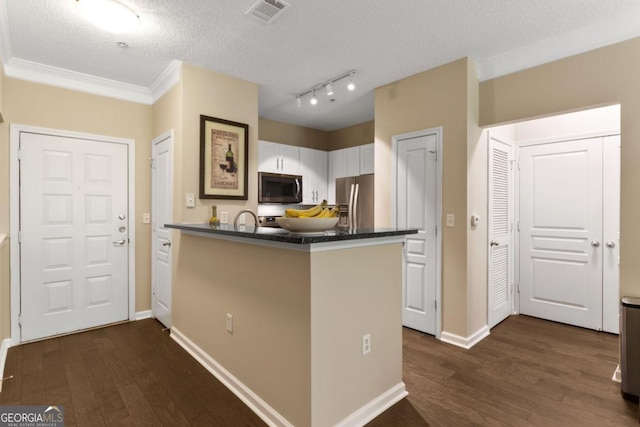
[(314, 99), (351, 86), (299, 101), (329, 89)]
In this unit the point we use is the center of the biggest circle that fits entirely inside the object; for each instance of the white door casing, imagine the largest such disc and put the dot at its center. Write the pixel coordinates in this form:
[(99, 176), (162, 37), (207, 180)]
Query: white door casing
[(161, 214), (561, 232), (416, 198), (500, 232), (74, 234)]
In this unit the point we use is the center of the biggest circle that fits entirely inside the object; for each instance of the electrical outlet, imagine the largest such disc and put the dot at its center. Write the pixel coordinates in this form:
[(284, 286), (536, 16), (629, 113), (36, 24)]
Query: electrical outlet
[(190, 200), (366, 344), (451, 220), (229, 323), (146, 218), (242, 219), (224, 217)]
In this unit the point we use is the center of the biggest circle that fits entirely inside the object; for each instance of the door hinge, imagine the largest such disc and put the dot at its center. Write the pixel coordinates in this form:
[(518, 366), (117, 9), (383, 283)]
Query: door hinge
[(19, 154), (19, 237), (511, 162), (20, 320), (152, 162), (518, 225), (518, 287), (436, 229), (435, 304), (518, 165)]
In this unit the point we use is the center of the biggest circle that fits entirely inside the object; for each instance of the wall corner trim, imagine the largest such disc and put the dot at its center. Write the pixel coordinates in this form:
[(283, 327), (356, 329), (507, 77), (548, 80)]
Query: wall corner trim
[(244, 393), (165, 81), (4, 349), (465, 342)]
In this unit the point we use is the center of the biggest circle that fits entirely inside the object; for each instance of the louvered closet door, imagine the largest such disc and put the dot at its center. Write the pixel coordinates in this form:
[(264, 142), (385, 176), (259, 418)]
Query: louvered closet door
[(500, 230)]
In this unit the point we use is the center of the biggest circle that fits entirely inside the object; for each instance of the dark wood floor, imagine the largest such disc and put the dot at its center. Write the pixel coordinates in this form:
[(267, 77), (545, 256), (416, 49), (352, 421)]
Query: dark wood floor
[(527, 372)]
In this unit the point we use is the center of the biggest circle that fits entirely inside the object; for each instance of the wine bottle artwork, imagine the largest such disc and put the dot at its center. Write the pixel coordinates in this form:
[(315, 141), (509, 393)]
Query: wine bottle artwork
[(229, 158)]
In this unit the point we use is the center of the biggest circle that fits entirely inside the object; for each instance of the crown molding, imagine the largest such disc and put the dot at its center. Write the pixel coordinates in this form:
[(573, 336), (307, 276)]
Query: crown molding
[(165, 81), (60, 77), (571, 43)]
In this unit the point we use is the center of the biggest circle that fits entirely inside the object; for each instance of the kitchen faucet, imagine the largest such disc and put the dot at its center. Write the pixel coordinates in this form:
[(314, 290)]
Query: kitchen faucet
[(255, 218)]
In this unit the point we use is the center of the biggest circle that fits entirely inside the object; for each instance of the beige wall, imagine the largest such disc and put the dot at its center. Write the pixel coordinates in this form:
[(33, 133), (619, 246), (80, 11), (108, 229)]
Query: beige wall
[(285, 133), (603, 76), (270, 349), (297, 337), (39, 105), (212, 94), (438, 97), (352, 136)]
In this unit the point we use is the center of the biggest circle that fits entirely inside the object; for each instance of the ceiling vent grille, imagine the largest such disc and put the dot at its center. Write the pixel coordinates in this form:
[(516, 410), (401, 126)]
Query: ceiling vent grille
[(267, 11)]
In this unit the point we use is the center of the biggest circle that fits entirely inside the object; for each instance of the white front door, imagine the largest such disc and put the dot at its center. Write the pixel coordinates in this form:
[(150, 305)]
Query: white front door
[(416, 193), (561, 232), (74, 234), (500, 274), (162, 213)]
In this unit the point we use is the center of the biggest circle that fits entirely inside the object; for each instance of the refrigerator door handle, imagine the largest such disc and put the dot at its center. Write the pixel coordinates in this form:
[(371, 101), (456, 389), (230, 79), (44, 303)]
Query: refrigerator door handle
[(350, 215), (355, 207)]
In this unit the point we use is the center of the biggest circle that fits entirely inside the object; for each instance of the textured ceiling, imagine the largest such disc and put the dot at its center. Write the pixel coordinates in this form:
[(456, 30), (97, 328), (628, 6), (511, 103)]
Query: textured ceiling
[(311, 42)]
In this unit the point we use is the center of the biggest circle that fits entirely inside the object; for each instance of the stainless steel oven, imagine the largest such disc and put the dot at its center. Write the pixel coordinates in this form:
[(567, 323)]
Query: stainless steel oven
[(279, 188)]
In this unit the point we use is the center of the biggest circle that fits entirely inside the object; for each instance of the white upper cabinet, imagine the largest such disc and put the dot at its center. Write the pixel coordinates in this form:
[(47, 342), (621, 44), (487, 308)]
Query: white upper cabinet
[(278, 158), (313, 165), (353, 161), (367, 163)]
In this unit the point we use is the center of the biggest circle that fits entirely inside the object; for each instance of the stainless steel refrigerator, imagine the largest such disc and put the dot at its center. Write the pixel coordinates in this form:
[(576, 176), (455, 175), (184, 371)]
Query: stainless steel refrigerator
[(354, 195)]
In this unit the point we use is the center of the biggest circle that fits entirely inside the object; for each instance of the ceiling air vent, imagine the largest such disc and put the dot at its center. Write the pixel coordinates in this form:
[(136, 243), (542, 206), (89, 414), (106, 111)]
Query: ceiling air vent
[(267, 10)]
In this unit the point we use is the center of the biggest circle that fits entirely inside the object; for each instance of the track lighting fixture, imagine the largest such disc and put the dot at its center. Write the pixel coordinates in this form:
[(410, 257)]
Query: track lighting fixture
[(328, 87)]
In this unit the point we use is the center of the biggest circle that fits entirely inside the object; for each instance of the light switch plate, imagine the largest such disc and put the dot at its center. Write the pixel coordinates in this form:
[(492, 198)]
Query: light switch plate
[(451, 220), (190, 200), (146, 218), (224, 217)]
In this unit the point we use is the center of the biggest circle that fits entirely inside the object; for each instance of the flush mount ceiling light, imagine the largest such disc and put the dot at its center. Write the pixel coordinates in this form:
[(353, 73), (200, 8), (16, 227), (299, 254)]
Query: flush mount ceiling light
[(109, 15), (328, 87)]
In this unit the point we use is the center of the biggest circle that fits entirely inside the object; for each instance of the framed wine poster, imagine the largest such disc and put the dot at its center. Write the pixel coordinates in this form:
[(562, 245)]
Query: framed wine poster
[(224, 159)]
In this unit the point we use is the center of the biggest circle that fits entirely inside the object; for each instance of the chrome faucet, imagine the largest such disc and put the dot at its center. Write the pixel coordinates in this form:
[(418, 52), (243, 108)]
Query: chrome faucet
[(255, 217)]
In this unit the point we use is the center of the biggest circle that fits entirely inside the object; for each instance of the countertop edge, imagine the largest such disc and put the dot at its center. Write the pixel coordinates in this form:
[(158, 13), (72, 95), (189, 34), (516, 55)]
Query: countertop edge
[(299, 242)]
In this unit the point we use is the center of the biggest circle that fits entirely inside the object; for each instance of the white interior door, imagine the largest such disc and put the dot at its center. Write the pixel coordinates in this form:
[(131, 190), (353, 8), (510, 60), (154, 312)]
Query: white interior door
[(500, 274), (561, 232), (416, 207), (74, 234), (162, 213)]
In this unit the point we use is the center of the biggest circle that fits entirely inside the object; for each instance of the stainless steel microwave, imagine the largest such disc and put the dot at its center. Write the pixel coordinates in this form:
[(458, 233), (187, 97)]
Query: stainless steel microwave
[(279, 188)]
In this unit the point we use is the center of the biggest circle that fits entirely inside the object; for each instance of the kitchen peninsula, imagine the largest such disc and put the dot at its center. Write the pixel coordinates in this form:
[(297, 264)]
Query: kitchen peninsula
[(283, 319)]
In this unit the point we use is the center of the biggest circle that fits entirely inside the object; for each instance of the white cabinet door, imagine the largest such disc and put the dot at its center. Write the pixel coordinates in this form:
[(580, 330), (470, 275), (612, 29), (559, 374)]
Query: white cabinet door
[(278, 158), (367, 159), (313, 165), (289, 159), (353, 161), (268, 157)]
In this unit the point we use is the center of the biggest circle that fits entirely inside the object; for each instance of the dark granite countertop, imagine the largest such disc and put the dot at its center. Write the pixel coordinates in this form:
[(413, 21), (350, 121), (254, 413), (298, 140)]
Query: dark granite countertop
[(284, 236)]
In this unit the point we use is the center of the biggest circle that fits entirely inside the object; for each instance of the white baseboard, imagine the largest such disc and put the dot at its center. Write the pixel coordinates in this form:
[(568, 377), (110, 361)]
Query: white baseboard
[(375, 407), (4, 349), (465, 342), (617, 375), (146, 314), (244, 393)]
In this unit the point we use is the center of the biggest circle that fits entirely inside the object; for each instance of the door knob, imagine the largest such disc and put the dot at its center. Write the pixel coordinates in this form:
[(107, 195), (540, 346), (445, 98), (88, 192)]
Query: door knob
[(494, 243), (166, 243), (611, 244), (595, 244), (119, 243)]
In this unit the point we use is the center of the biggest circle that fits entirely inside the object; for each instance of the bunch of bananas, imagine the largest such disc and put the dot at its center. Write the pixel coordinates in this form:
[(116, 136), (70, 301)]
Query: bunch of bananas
[(318, 211)]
